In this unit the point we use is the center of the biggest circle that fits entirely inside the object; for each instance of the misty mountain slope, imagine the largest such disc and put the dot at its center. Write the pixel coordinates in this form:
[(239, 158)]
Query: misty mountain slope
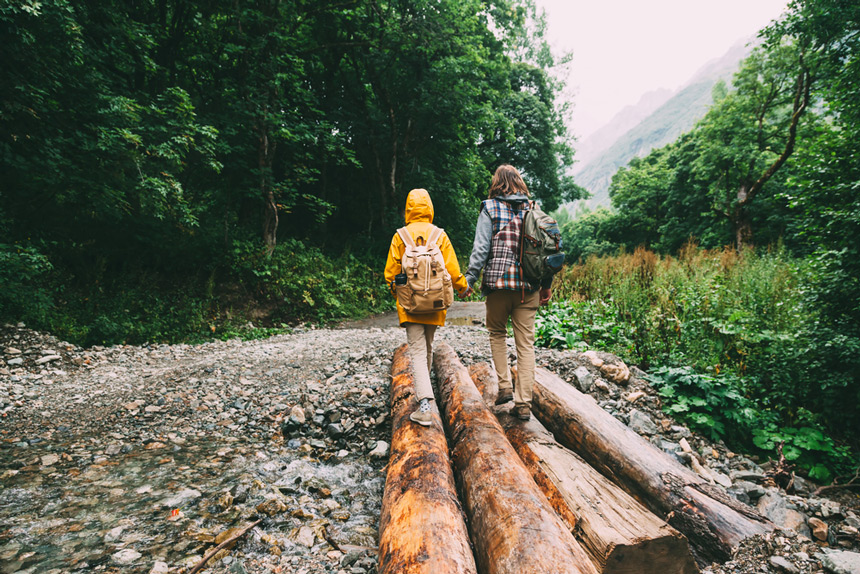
[(677, 115)]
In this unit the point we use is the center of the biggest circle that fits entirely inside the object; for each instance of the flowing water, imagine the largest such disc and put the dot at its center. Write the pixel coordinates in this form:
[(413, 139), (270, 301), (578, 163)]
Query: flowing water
[(169, 503)]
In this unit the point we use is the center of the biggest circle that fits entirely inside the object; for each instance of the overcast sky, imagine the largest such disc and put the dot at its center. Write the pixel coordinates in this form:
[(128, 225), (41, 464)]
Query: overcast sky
[(625, 48)]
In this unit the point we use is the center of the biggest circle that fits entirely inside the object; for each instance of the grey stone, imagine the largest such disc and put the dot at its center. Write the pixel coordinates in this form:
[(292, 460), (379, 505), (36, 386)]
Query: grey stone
[(783, 565), (125, 556), (774, 507), (297, 414), (181, 498), (15, 362), (641, 423), (48, 359), (380, 450), (748, 475), (306, 536), (159, 568), (584, 378), (839, 561), (753, 491)]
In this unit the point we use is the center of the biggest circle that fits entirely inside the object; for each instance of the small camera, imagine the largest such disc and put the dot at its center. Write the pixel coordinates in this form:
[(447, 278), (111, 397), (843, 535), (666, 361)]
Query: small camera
[(400, 279)]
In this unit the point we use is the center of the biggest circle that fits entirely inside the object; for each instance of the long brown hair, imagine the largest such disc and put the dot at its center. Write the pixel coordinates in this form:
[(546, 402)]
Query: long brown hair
[(506, 181)]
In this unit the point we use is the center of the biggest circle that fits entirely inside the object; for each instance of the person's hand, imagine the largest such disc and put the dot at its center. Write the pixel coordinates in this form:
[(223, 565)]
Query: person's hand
[(466, 293), (545, 296)]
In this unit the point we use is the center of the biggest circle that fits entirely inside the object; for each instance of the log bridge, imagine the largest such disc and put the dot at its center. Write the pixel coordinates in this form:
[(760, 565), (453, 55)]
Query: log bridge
[(573, 490)]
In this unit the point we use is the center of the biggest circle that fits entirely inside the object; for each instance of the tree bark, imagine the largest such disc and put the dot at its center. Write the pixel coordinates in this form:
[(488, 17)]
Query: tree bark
[(620, 535), (487, 382), (265, 152), (421, 526), (513, 527), (713, 522)]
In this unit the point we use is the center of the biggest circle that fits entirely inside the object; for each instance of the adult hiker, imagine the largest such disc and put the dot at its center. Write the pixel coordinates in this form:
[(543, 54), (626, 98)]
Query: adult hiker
[(509, 295), (422, 271)]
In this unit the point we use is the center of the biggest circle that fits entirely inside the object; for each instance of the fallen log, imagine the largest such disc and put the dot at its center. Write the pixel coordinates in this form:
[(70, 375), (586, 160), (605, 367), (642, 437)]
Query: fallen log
[(421, 526), (713, 522), (513, 527), (484, 376), (620, 535)]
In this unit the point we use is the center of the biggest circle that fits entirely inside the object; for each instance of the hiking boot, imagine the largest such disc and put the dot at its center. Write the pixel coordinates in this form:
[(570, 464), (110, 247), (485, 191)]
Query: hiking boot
[(522, 412), (505, 395), (422, 415)]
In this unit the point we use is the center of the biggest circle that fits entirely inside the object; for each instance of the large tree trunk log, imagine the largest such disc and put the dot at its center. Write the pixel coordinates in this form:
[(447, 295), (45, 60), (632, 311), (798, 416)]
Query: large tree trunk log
[(486, 380), (513, 527), (421, 527), (714, 522), (620, 535)]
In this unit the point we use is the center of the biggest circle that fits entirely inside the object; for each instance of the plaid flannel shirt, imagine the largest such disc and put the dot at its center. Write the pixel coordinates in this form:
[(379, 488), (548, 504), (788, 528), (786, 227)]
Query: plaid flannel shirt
[(503, 268)]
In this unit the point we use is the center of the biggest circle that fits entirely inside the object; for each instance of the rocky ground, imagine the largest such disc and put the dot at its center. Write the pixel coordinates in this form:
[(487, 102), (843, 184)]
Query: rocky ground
[(143, 459)]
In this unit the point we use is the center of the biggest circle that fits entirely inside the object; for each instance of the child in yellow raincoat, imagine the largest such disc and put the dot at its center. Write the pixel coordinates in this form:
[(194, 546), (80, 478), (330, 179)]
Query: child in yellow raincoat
[(420, 328)]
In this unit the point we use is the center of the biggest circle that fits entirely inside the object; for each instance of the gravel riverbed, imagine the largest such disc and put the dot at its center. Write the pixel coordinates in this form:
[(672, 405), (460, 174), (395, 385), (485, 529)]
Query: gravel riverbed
[(143, 458)]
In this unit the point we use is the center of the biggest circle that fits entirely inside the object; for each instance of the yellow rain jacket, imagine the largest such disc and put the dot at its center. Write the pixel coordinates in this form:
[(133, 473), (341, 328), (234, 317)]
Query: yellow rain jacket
[(419, 223)]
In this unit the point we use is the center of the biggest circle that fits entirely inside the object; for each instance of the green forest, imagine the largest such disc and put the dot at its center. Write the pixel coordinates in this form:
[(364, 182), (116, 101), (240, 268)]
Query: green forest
[(181, 171), (176, 170)]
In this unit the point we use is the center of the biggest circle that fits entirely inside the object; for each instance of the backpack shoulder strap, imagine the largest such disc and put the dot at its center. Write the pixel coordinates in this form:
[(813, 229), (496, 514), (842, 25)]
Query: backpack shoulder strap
[(435, 235), (406, 237)]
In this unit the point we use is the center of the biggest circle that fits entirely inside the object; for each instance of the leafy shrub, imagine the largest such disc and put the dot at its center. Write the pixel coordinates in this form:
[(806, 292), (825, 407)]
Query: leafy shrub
[(305, 284), (23, 274), (755, 352)]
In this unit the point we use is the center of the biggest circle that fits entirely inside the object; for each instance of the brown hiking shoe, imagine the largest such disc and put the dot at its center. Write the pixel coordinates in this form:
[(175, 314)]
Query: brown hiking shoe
[(424, 419), (505, 395), (522, 412)]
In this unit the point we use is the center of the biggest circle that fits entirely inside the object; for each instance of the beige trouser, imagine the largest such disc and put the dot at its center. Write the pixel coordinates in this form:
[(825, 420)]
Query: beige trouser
[(502, 305), (420, 339)]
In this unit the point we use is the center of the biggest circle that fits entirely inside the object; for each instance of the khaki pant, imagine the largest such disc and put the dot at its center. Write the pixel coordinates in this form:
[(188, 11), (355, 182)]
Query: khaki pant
[(502, 305), (420, 339)]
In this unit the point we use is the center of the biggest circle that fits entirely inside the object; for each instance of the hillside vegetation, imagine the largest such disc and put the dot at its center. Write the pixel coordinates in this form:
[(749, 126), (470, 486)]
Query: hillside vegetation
[(759, 341), (677, 115)]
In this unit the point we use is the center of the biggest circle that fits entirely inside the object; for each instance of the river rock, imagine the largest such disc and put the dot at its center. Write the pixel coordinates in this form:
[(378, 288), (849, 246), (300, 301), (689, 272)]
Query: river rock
[(839, 561), (783, 565), (297, 415), (159, 568), (775, 508), (380, 450), (50, 459), (617, 373), (584, 379), (641, 423), (181, 498), (593, 358), (305, 536), (819, 529), (271, 507), (125, 556)]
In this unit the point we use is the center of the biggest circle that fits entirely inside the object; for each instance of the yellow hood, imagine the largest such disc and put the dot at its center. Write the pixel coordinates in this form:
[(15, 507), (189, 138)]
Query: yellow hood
[(418, 207)]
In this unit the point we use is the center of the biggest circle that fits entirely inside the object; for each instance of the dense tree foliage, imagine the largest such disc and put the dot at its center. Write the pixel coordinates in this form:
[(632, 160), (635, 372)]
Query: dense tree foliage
[(152, 142)]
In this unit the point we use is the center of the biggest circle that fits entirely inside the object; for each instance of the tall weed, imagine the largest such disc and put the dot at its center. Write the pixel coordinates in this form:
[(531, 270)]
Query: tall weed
[(739, 326)]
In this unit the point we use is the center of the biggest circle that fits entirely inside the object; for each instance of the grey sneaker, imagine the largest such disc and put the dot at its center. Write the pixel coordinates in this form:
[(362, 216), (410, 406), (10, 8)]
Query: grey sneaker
[(422, 415), (522, 412), (505, 395)]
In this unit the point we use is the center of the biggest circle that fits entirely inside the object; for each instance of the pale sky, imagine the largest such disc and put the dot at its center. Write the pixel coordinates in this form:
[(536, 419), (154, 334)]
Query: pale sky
[(625, 48)]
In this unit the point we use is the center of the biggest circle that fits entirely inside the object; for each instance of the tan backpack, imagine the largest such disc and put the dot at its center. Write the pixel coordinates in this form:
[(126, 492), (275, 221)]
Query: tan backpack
[(428, 287)]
